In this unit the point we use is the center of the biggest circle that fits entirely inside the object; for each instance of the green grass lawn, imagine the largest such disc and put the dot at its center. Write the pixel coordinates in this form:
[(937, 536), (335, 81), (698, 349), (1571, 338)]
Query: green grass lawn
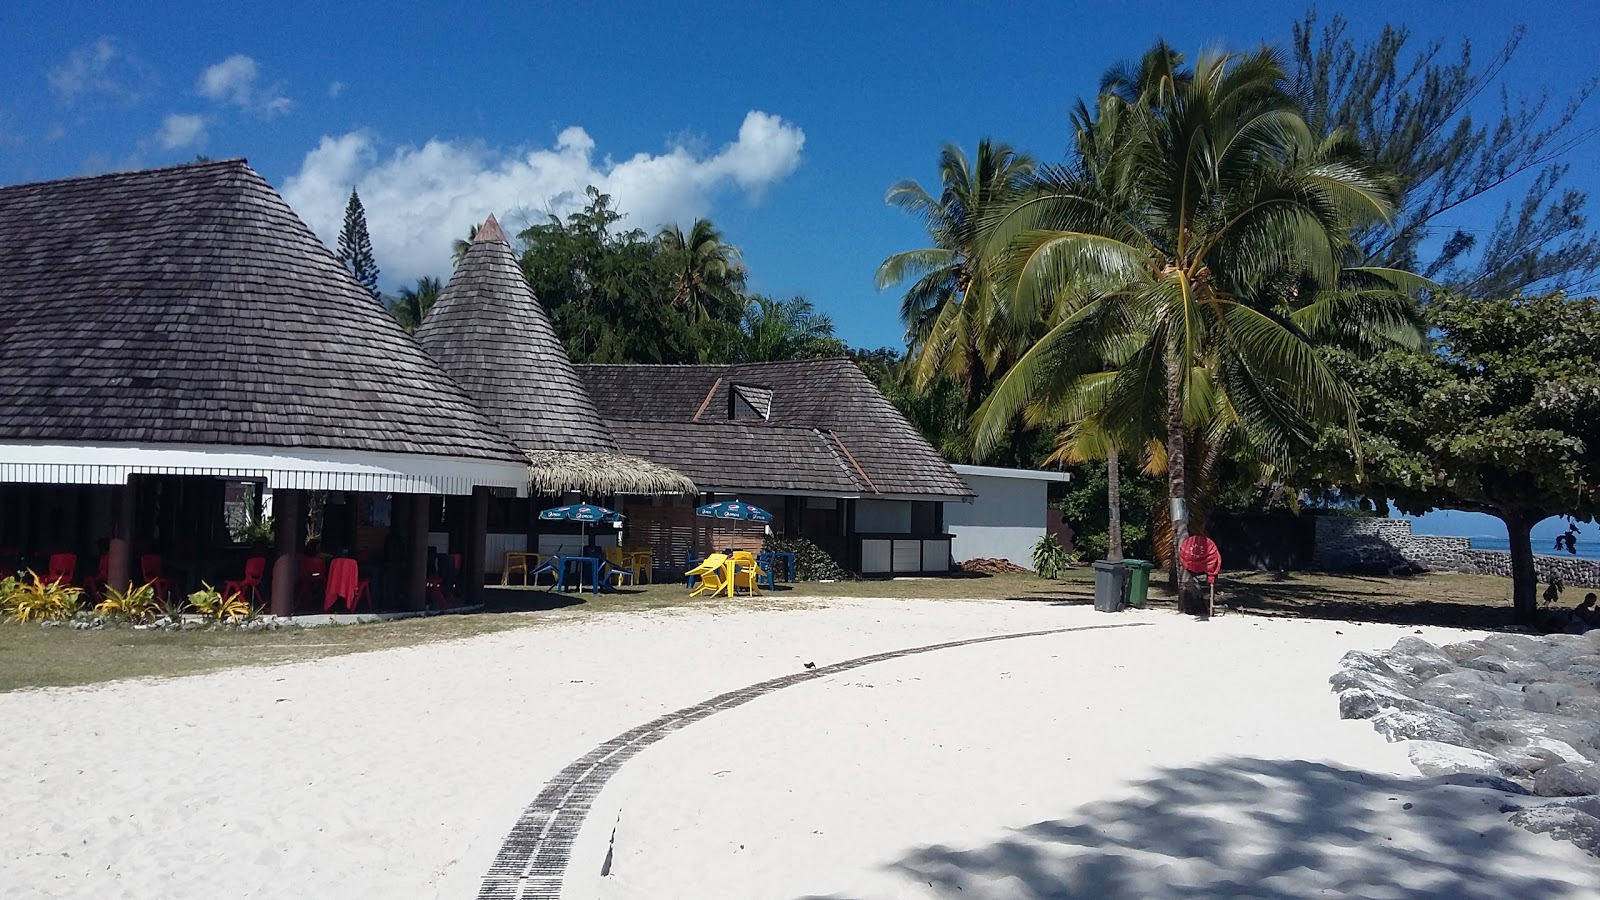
[(31, 656)]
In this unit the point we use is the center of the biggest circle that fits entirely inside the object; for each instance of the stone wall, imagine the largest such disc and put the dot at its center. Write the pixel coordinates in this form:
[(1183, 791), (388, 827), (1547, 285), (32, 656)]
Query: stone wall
[(1387, 546)]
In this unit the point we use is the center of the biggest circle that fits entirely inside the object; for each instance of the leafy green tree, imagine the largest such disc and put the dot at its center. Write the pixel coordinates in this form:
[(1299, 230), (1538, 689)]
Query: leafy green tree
[(355, 245), (785, 329), (1202, 219), (1414, 105), (1501, 417), (607, 289), (707, 274), (412, 304), (951, 310)]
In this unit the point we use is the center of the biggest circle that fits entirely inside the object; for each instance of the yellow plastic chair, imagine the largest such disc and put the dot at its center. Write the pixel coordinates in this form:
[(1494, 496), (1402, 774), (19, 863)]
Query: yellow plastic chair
[(643, 559), (747, 573), (517, 562), (715, 574), (620, 561)]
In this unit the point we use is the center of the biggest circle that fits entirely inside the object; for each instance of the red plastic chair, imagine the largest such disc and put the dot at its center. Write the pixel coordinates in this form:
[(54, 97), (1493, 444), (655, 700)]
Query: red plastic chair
[(63, 567), (150, 571), (345, 583), (313, 571), (94, 584), (255, 568), (435, 584)]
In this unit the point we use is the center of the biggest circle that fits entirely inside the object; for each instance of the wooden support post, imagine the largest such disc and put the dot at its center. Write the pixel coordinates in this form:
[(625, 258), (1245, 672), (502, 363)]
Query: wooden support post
[(474, 554), (119, 562), (413, 590), (288, 516)]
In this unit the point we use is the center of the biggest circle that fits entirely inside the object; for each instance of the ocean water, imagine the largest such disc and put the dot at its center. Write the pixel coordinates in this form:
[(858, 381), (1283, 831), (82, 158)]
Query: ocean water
[(1588, 549)]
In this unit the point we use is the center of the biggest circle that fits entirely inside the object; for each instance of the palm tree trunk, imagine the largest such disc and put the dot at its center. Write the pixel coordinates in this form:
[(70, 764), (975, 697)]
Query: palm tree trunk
[(1177, 470), (1114, 505)]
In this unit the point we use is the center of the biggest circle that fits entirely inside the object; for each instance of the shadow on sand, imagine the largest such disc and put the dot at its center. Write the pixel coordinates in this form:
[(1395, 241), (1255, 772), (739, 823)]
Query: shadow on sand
[(1253, 828)]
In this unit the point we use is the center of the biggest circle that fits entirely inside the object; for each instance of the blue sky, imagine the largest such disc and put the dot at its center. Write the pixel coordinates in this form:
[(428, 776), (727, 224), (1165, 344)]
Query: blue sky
[(783, 122)]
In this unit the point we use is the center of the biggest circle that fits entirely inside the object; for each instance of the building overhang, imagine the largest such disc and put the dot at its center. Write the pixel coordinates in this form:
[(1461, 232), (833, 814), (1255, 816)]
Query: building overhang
[(286, 468), (1024, 474), (837, 495)]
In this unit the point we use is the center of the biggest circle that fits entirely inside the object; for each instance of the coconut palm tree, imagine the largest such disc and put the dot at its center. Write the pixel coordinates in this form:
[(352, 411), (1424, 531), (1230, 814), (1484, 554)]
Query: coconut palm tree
[(707, 274), (785, 329), (413, 303), (953, 316), (460, 247), (1201, 214)]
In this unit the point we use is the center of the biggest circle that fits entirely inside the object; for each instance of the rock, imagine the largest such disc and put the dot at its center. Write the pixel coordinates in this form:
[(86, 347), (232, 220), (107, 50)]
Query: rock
[(1489, 663), (1435, 758), (1463, 696), (1420, 658), (1527, 670), (1580, 707), (1371, 663), (1517, 728), (1568, 780), (1465, 650), (1516, 646), (1417, 725), (1544, 697), (1365, 700), (1564, 823), (1541, 753)]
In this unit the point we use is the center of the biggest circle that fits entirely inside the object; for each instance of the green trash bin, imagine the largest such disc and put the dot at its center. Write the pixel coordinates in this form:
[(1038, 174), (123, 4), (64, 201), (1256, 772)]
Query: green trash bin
[(1138, 581)]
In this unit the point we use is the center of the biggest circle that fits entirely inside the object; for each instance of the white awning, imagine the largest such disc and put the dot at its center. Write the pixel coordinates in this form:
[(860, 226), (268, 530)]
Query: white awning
[(287, 468)]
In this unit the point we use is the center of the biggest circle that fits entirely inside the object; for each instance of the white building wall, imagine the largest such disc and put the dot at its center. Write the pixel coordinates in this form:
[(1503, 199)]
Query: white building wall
[(1005, 520)]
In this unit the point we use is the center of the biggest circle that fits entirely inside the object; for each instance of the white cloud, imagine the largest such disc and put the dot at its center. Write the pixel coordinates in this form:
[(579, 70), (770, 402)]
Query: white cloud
[(421, 199), (102, 68), (235, 80), (179, 130), (335, 88)]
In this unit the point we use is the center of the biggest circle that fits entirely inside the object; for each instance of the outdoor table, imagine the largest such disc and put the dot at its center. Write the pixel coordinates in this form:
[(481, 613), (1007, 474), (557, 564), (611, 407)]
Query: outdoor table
[(768, 557), (561, 571)]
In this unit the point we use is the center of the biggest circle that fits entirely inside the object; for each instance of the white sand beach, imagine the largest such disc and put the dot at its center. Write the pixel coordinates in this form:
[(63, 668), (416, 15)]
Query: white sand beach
[(1174, 758)]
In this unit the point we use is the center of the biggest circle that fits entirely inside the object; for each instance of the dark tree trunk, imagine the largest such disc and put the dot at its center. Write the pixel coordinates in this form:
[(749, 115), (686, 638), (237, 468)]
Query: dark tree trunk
[(1114, 505), (1524, 581), (1177, 474)]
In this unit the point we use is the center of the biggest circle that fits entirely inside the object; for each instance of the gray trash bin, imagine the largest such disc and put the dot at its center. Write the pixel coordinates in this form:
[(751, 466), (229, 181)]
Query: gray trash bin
[(1110, 586)]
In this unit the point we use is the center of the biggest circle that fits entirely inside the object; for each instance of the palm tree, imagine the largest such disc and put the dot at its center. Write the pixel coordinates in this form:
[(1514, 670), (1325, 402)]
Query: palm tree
[(707, 275), (460, 247), (411, 307), (952, 315), (785, 329), (1202, 216)]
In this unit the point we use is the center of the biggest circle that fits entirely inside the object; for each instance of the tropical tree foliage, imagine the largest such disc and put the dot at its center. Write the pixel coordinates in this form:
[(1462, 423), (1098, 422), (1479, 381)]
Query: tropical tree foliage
[(355, 245), (1415, 106), (412, 304), (1198, 237), (1502, 416), (707, 276), (953, 315)]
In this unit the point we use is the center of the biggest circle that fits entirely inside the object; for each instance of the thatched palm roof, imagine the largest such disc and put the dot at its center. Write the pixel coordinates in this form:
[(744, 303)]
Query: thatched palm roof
[(493, 337)]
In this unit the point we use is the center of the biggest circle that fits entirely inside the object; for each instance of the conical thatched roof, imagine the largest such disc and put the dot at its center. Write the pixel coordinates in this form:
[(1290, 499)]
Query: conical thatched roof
[(489, 333), (190, 305)]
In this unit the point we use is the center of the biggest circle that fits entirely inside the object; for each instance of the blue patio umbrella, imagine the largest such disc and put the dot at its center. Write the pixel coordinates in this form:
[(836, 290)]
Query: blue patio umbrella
[(581, 512), (734, 509)]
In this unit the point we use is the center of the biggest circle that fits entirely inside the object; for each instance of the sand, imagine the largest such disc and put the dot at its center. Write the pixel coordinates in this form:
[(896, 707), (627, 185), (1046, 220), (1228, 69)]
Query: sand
[(1172, 759)]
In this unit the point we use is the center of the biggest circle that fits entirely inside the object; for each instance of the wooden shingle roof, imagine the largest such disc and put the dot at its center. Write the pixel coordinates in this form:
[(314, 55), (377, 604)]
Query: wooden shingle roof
[(491, 335), (190, 305), (698, 419)]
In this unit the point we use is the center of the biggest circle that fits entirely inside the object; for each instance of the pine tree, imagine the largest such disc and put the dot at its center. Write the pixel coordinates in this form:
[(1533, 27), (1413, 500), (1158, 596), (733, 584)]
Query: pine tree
[(355, 245)]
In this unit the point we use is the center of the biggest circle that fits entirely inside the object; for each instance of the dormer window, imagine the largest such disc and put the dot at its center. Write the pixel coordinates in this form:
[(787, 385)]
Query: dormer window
[(746, 402)]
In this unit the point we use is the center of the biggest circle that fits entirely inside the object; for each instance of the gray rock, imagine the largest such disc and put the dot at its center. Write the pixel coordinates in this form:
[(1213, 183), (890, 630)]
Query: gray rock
[(1564, 823), (1568, 780), (1465, 650), (1416, 725), (1516, 646), (1527, 670), (1545, 697), (1489, 662), (1515, 728), (1420, 658), (1435, 758)]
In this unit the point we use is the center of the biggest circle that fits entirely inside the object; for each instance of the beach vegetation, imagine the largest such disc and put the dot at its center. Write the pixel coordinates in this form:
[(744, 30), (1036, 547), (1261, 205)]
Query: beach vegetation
[(33, 598), (136, 605), (216, 606)]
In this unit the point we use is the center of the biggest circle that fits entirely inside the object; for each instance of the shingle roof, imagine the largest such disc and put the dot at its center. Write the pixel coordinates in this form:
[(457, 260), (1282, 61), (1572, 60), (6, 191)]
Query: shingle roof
[(489, 332), (818, 408), (191, 305)]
